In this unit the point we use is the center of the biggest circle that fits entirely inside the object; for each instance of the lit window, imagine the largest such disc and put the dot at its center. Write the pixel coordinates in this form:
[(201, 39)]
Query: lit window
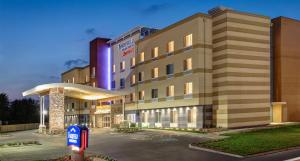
[(142, 57), (141, 76), (188, 40), (73, 80), (133, 79), (114, 68), (174, 116), (132, 62), (170, 91), (68, 81), (154, 73), (170, 69), (192, 114), (170, 47), (155, 52), (86, 78), (157, 116), (93, 72), (154, 93), (187, 64), (132, 97), (188, 88), (122, 66), (94, 84), (141, 95), (145, 117)]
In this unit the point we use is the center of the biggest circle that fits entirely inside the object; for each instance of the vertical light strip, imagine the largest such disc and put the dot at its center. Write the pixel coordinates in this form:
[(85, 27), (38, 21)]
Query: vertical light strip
[(109, 68)]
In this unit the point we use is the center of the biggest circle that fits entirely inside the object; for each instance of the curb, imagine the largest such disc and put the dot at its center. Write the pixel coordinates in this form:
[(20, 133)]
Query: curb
[(214, 151)]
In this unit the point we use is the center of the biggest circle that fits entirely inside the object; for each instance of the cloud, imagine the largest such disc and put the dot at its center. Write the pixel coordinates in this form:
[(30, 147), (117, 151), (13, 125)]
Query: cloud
[(91, 31), (155, 8), (75, 62)]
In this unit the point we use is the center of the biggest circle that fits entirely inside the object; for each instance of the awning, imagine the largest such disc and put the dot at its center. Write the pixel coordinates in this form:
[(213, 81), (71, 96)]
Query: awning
[(75, 91)]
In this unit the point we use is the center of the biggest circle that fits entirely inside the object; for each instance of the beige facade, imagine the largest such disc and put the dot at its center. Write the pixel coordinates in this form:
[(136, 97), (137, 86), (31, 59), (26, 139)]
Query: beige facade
[(241, 69), (207, 69), (78, 75)]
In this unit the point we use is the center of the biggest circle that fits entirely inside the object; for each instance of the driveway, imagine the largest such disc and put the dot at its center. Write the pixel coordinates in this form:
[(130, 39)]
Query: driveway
[(142, 146)]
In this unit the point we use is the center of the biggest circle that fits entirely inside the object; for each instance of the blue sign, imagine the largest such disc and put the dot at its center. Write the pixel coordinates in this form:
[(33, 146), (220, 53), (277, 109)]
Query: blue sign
[(74, 136)]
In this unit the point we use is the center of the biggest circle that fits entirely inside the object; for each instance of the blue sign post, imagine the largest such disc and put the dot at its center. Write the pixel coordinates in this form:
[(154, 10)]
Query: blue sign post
[(74, 136), (77, 139)]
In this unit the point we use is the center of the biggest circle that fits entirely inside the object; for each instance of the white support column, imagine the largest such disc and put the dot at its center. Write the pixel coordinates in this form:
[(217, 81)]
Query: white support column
[(42, 127), (41, 111), (43, 98)]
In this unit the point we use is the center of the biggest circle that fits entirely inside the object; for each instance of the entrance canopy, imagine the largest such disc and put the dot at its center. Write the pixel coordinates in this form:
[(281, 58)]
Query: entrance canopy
[(75, 90)]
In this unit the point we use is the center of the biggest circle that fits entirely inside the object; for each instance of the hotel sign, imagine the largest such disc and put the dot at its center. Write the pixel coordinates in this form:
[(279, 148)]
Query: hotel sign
[(127, 47)]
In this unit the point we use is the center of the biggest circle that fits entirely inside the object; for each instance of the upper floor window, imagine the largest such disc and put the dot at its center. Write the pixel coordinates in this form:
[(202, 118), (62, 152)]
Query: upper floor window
[(154, 93), (85, 104), (122, 66), (188, 88), (170, 91), (141, 95), (132, 97), (188, 40), (170, 47), (141, 76), (154, 52), (114, 68), (93, 72), (113, 84), (187, 64), (133, 79), (154, 73), (142, 56), (170, 69), (122, 83), (132, 62)]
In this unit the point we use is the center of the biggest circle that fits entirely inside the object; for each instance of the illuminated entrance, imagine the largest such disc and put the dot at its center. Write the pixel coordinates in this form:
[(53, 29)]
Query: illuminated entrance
[(58, 108)]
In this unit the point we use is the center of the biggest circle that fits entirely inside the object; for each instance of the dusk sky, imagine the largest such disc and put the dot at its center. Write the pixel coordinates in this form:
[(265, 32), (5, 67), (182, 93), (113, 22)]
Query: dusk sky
[(39, 39)]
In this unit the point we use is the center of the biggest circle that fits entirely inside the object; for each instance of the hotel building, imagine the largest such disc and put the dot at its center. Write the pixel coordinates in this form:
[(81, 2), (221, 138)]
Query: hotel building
[(207, 70)]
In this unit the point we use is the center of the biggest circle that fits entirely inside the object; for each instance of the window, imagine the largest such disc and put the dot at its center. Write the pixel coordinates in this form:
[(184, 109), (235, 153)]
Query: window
[(85, 104), (94, 84), (154, 93), (132, 97), (174, 116), (114, 68), (93, 72), (113, 84), (170, 47), (154, 52), (188, 88), (144, 117), (187, 64), (141, 95), (170, 69), (73, 80), (122, 83), (122, 66), (68, 81), (142, 57), (133, 79), (86, 78), (188, 40), (154, 73), (73, 105), (141, 76), (157, 116), (132, 62), (191, 115), (170, 91)]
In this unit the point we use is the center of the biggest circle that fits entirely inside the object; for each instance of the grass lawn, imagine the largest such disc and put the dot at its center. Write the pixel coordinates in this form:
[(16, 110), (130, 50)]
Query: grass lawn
[(247, 143)]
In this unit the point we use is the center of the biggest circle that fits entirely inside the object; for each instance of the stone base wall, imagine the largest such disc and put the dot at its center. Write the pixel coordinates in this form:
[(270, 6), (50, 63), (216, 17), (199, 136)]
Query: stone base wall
[(56, 110)]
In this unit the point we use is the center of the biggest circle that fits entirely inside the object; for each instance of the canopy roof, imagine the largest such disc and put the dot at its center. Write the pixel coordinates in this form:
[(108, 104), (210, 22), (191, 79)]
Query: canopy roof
[(75, 91)]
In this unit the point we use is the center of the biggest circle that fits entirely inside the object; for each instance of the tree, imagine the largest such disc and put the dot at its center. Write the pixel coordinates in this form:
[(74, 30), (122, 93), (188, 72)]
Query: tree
[(24, 111), (4, 107)]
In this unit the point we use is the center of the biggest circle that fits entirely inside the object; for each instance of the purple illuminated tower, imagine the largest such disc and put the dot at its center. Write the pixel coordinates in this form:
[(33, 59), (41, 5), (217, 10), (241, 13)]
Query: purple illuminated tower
[(100, 63)]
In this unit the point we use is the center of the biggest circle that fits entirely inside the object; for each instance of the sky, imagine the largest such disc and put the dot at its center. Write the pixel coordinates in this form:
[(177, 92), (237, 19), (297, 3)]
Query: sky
[(40, 39)]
